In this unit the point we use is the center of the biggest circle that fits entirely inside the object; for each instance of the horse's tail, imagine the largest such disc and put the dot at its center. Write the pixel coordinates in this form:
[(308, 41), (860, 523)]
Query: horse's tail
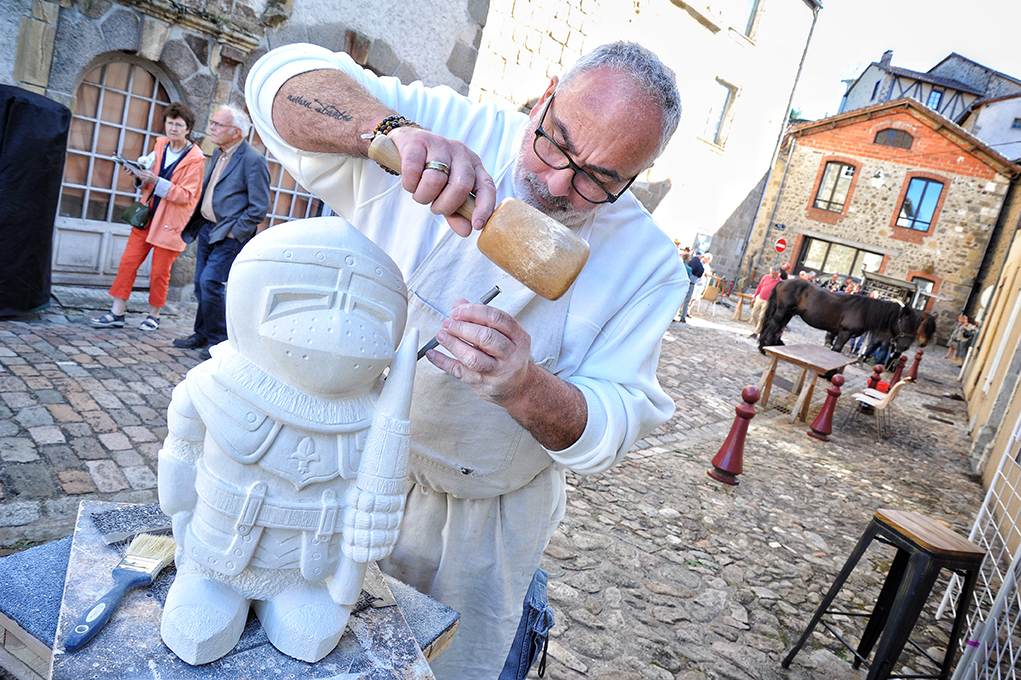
[(771, 328)]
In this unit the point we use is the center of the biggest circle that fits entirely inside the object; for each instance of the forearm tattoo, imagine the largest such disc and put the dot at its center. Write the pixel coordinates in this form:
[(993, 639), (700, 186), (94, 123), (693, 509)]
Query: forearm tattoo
[(317, 106)]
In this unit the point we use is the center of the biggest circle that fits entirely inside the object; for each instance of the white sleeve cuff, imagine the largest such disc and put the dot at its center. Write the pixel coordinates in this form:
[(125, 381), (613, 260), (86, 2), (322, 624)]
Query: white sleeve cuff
[(162, 187), (590, 454)]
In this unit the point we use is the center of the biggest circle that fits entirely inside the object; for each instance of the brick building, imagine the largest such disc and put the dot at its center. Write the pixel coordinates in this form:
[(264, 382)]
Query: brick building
[(895, 189)]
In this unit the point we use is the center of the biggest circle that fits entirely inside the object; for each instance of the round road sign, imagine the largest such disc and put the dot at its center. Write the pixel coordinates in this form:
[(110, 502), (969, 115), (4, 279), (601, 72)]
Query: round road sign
[(781, 245)]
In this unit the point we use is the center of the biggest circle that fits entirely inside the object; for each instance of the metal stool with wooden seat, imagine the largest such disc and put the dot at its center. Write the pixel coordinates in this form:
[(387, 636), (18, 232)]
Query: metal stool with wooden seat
[(924, 547)]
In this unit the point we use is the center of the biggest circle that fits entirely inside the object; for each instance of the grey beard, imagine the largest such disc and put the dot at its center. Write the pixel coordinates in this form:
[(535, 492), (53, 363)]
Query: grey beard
[(529, 189)]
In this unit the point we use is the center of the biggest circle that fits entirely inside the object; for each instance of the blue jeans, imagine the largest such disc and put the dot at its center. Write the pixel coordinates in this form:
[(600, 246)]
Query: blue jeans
[(533, 631), (212, 264)]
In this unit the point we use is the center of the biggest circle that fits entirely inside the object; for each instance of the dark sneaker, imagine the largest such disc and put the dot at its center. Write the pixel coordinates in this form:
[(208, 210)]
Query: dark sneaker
[(193, 341)]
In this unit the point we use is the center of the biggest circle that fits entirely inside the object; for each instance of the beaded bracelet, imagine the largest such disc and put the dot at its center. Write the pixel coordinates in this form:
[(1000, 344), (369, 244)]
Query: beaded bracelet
[(388, 125)]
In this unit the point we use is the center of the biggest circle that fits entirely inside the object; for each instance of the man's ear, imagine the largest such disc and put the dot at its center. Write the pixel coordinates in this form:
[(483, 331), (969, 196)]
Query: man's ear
[(547, 93)]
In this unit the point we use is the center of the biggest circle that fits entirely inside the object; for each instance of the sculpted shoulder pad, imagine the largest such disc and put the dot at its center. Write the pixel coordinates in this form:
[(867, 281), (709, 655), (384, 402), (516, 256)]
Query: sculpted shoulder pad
[(183, 419)]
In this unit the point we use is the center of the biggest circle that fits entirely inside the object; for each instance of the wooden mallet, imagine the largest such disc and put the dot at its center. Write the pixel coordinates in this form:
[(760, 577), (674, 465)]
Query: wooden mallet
[(532, 247)]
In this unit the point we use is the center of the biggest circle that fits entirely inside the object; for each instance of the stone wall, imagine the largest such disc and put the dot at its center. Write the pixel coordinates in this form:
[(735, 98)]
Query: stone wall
[(202, 49), (950, 253), (978, 76), (860, 94), (15, 17), (526, 43)]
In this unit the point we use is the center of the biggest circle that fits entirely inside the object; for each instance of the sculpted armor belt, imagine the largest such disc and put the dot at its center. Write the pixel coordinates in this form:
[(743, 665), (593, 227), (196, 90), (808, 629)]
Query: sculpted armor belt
[(252, 513)]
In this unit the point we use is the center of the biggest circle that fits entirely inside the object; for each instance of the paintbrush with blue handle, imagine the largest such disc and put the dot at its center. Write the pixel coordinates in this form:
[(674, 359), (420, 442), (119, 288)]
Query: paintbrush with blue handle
[(146, 557)]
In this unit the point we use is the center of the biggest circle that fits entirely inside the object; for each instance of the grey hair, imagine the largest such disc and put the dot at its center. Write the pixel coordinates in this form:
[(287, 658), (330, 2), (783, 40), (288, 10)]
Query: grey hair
[(647, 71), (240, 120)]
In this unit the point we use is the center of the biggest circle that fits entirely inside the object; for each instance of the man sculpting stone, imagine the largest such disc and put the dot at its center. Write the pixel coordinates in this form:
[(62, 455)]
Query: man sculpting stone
[(525, 388), (286, 459)]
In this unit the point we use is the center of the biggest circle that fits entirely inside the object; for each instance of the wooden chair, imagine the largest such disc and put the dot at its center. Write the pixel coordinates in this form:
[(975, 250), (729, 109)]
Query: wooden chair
[(710, 295), (877, 401)]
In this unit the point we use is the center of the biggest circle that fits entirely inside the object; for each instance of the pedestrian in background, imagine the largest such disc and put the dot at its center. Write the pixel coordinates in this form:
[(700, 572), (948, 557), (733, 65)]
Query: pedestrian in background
[(953, 342), (682, 311), (703, 281), (235, 199), (172, 175), (766, 285)]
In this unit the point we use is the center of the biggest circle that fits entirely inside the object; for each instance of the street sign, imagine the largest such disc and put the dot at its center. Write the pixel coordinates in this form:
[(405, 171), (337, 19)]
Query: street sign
[(779, 227), (781, 245)]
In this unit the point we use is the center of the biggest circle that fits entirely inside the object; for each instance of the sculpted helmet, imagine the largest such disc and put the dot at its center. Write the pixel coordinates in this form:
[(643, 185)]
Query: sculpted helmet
[(316, 304)]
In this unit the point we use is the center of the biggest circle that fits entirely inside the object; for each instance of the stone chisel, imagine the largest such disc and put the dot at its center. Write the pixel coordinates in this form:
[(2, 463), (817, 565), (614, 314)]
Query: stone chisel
[(484, 300)]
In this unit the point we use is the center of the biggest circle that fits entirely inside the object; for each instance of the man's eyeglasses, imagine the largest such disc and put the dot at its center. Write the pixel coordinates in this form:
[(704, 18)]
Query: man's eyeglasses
[(214, 125), (556, 156)]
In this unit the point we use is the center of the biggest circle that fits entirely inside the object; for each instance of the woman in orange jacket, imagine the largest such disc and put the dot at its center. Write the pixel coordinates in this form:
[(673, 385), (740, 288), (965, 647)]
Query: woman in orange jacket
[(173, 183)]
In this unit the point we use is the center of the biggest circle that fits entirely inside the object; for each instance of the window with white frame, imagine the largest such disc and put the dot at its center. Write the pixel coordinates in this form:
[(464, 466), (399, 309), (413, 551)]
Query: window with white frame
[(834, 187), (923, 287), (717, 122), (288, 199), (119, 110), (825, 257), (750, 13), (935, 98)]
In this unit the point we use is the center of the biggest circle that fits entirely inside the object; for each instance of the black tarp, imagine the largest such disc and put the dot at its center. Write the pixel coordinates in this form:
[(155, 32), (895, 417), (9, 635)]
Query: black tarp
[(33, 143)]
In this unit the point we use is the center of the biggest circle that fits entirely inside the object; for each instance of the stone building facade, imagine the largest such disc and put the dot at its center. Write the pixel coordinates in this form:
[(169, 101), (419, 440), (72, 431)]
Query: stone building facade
[(895, 188), (737, 65), (132, 54)]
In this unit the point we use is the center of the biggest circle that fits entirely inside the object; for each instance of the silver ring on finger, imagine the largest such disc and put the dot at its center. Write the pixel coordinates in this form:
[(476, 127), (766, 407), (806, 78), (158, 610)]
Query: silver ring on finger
[(437, 165)]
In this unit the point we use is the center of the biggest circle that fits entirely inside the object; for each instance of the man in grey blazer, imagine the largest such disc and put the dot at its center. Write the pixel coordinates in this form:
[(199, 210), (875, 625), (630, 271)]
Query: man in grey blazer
[(235, 198)]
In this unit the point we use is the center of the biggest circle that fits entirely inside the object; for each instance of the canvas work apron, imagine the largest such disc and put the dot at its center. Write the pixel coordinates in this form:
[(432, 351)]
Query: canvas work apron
[(461, 444)]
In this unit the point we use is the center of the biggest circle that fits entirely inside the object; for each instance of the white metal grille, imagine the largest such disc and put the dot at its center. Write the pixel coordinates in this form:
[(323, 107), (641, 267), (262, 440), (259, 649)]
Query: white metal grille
[(288, 199), (992, 639), (120, 104)]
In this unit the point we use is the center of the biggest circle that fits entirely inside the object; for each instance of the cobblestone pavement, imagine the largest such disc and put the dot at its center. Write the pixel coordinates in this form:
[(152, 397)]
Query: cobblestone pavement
[(657, 571)]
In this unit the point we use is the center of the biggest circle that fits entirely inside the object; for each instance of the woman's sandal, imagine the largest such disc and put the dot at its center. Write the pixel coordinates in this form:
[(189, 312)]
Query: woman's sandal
[(108, 320), (152, 323)]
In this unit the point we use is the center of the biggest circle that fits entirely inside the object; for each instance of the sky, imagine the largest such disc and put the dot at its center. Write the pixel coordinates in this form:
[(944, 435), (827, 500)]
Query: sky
[(851, 34)]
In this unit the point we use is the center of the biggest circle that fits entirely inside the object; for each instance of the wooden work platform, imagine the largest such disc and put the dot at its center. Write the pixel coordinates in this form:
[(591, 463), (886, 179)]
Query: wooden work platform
[(809, 358), (393, 633)]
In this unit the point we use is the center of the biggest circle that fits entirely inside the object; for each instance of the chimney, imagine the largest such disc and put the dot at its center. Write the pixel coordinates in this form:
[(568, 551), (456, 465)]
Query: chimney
[(887, 58)]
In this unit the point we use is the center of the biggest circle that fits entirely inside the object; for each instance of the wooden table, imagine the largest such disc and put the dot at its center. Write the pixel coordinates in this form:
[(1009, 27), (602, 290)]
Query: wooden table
[(808, 358), (741, 297)]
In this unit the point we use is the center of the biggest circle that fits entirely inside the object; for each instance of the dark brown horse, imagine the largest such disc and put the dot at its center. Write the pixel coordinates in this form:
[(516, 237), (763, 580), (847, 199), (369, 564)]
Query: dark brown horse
[(843, 316)]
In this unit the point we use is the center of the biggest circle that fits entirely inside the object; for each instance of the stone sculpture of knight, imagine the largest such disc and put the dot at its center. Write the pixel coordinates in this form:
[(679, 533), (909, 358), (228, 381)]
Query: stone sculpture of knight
[(286, 459)]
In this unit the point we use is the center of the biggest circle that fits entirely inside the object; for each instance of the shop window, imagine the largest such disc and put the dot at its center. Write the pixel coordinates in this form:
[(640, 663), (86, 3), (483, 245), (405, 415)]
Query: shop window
[(825, 257), (835, 185), (923, 287)]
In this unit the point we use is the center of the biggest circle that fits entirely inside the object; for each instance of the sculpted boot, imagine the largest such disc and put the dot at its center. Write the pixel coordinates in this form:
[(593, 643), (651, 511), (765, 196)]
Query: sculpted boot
[(202, 619), (303, 621)]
